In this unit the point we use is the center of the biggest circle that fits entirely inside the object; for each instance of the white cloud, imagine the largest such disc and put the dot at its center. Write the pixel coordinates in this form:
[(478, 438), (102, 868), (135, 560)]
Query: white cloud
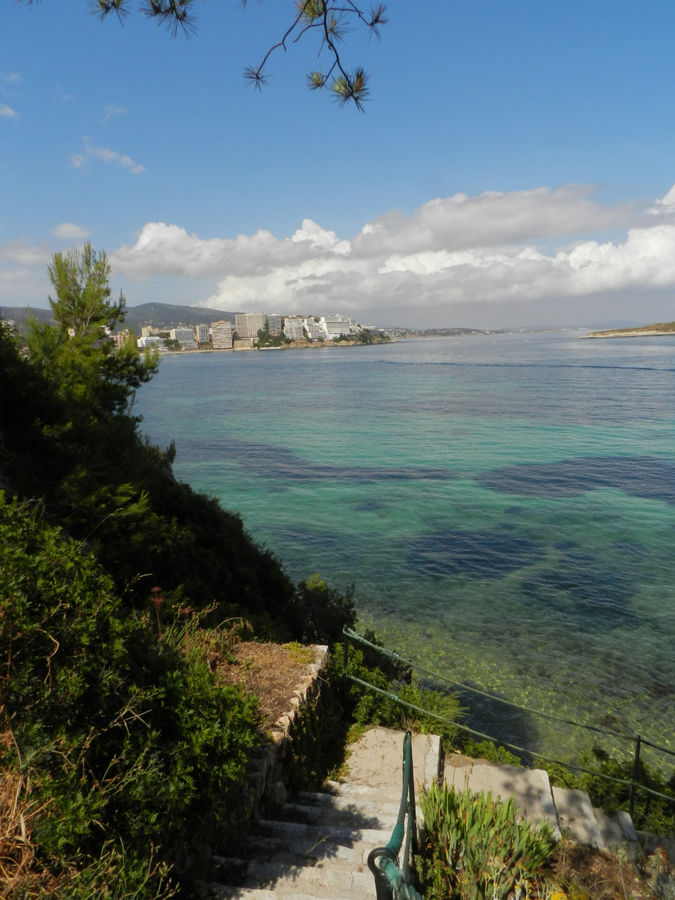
[(664, 206), (539, 255), (7, 111), (493, 248), (112, 110), (10, 77), (461, 222), (106, 155), (21, 253), (68, 230)]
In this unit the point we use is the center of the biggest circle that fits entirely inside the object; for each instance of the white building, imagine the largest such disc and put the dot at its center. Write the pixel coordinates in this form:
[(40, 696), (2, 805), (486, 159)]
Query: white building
[(336, 326), (274, 325), (185, 337), (249, 324), (151, 341), (221, 335), (293, 328), (202, 334), (314, 329)]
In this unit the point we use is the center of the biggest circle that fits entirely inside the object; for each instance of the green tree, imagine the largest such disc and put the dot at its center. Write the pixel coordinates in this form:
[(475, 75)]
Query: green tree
[(77, 353), (80, 279), (326, 20)]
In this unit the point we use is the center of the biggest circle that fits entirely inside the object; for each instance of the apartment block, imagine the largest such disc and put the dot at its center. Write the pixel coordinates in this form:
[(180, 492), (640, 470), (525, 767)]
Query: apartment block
[(315, 331), (202, 333), (221, 335), (293, 328), (274, 325), (185, 337), (249, 324)]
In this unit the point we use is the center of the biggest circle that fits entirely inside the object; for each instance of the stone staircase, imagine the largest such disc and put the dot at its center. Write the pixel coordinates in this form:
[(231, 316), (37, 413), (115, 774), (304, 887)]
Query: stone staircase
[(318, 846)]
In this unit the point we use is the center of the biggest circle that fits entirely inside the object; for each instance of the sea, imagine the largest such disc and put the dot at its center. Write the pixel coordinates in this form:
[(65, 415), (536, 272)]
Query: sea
[(504, 505)]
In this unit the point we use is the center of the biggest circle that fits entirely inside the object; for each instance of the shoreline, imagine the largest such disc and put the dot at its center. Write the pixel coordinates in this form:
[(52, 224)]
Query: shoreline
[(627, 334), (309, 345)]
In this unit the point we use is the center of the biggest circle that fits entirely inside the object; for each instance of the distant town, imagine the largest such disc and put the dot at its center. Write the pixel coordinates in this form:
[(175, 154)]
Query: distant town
[(258, 331)]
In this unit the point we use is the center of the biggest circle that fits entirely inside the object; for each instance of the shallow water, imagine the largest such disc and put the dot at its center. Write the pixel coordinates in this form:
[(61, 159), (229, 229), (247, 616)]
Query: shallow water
[(504, 504)]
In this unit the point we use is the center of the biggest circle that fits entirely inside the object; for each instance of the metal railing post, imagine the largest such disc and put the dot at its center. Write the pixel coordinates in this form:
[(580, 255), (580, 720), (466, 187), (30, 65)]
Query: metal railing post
[(636, 772)]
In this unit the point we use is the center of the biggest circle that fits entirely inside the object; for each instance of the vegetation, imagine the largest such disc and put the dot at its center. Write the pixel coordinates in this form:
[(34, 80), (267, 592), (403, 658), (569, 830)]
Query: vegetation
[(130, 754), (326, 20), (265, 339), (417, 708), (651, 813), (125, 756), (659, 327), (476, 848)]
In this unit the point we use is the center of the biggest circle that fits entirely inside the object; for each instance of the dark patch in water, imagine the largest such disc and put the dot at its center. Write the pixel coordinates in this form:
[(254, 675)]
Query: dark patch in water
[(478, 554), (660, 689), (369, 505), (283, 464), (595, 595), (643, 476)]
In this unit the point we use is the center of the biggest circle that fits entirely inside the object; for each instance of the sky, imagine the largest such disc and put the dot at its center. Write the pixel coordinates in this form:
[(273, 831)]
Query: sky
[(514, 165)]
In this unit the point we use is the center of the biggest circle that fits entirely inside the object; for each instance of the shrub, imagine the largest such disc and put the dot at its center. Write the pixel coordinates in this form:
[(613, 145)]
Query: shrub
[(476, 848), (135, 755), (369, 707)]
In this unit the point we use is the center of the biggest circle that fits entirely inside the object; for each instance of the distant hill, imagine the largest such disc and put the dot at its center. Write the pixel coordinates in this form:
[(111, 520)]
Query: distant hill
[(170, 315), (158, 314), (656, 329), (19, 314)]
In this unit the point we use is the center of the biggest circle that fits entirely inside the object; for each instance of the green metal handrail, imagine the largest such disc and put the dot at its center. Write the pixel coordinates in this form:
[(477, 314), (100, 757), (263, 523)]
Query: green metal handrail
[(392, 882)]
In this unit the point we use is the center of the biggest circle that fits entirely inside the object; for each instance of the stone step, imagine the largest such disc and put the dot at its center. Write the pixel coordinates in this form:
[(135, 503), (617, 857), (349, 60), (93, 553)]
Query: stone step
[(617, 831), (529, 788), (577, 818), (362, 800), (288, 850), (315, 834), (326, 881), (375, 761), (324, 808), (227, 892)]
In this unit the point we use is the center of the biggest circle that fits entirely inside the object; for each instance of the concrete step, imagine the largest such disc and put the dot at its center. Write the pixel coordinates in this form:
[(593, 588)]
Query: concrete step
[(617, 831), (289, 851), (315, 835), (328, 816), (529, 788), (576, 817), (362, 801), (325, 809), (375, 761), (326, 881)]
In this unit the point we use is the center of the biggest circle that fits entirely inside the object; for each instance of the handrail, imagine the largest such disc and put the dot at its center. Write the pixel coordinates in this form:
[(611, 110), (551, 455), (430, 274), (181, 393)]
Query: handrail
[(391, 654), (390, 880), (633, 784)]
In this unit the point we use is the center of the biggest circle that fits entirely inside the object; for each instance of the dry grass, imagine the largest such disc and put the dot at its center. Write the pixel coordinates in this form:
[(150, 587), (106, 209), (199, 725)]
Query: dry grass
[(587, 874), (20, 873), (270, 671)]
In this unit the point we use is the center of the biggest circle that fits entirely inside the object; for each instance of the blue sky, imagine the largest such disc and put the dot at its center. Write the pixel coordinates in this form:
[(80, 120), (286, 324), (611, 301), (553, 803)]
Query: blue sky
[(515, 164)]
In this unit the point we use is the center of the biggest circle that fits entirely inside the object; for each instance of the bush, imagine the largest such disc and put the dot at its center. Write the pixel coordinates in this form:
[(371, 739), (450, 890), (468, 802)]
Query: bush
[(370, 707), (133, 751), (476, 848)]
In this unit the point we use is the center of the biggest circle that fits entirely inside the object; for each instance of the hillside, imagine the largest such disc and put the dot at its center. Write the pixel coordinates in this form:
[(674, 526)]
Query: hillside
[(659, 328), (165, 314)]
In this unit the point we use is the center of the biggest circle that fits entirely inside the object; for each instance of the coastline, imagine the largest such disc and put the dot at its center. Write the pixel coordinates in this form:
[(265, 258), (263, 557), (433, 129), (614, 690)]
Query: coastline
[(628, 334), (295, 345)]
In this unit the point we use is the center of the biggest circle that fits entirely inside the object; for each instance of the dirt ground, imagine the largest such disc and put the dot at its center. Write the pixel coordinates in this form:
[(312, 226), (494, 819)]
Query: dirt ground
[(270, 671)]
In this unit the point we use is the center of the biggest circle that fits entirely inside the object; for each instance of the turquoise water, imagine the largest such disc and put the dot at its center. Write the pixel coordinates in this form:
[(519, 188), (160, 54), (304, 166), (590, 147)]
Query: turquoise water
[(504, 504)]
